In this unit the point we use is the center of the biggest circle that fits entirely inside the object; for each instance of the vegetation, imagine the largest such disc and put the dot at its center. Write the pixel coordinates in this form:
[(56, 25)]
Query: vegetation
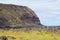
[(30, 34)]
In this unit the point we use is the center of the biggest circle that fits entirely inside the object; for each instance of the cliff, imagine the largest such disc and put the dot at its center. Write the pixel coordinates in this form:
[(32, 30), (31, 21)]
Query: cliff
[(17, 16)]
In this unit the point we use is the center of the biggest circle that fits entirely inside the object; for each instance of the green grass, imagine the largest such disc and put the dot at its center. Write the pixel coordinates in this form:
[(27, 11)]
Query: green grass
[(33, 34)]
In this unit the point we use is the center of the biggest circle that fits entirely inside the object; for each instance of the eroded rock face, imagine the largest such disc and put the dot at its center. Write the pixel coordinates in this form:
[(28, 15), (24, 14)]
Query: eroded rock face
[(15, 16)]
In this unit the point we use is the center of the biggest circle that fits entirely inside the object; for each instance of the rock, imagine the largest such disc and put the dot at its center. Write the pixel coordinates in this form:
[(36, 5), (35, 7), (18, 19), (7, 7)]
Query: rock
[(3, 38), (17, 16)]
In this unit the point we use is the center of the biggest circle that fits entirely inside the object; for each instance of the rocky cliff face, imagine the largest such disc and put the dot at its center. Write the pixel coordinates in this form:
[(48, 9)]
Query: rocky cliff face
[(16, 16)]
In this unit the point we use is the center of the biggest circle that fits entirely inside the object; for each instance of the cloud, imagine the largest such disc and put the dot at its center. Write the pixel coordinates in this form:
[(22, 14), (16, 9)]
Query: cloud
[(47, 10)]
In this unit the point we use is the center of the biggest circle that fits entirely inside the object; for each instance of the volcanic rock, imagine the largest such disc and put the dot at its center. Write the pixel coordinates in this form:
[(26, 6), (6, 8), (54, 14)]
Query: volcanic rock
[(17, 16)]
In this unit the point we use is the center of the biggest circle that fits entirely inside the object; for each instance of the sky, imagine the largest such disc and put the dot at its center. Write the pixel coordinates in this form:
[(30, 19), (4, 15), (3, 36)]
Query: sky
[(48, 11)]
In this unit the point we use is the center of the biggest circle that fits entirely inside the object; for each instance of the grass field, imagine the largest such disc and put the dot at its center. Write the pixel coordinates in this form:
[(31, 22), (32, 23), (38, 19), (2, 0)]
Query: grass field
[(32, 34)]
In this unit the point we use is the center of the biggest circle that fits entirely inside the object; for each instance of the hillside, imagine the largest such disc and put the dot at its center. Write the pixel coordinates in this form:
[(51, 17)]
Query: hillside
[(17, 16)]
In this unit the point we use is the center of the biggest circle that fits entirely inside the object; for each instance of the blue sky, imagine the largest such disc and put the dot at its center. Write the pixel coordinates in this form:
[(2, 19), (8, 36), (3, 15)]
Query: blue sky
[(48, 11)]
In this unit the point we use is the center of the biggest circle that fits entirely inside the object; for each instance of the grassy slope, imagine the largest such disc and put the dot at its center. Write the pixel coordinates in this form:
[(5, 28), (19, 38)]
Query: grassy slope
[(30, 34)]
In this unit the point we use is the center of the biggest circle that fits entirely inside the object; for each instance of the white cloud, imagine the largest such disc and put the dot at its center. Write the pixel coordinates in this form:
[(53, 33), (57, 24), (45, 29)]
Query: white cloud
[(47, 10)]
